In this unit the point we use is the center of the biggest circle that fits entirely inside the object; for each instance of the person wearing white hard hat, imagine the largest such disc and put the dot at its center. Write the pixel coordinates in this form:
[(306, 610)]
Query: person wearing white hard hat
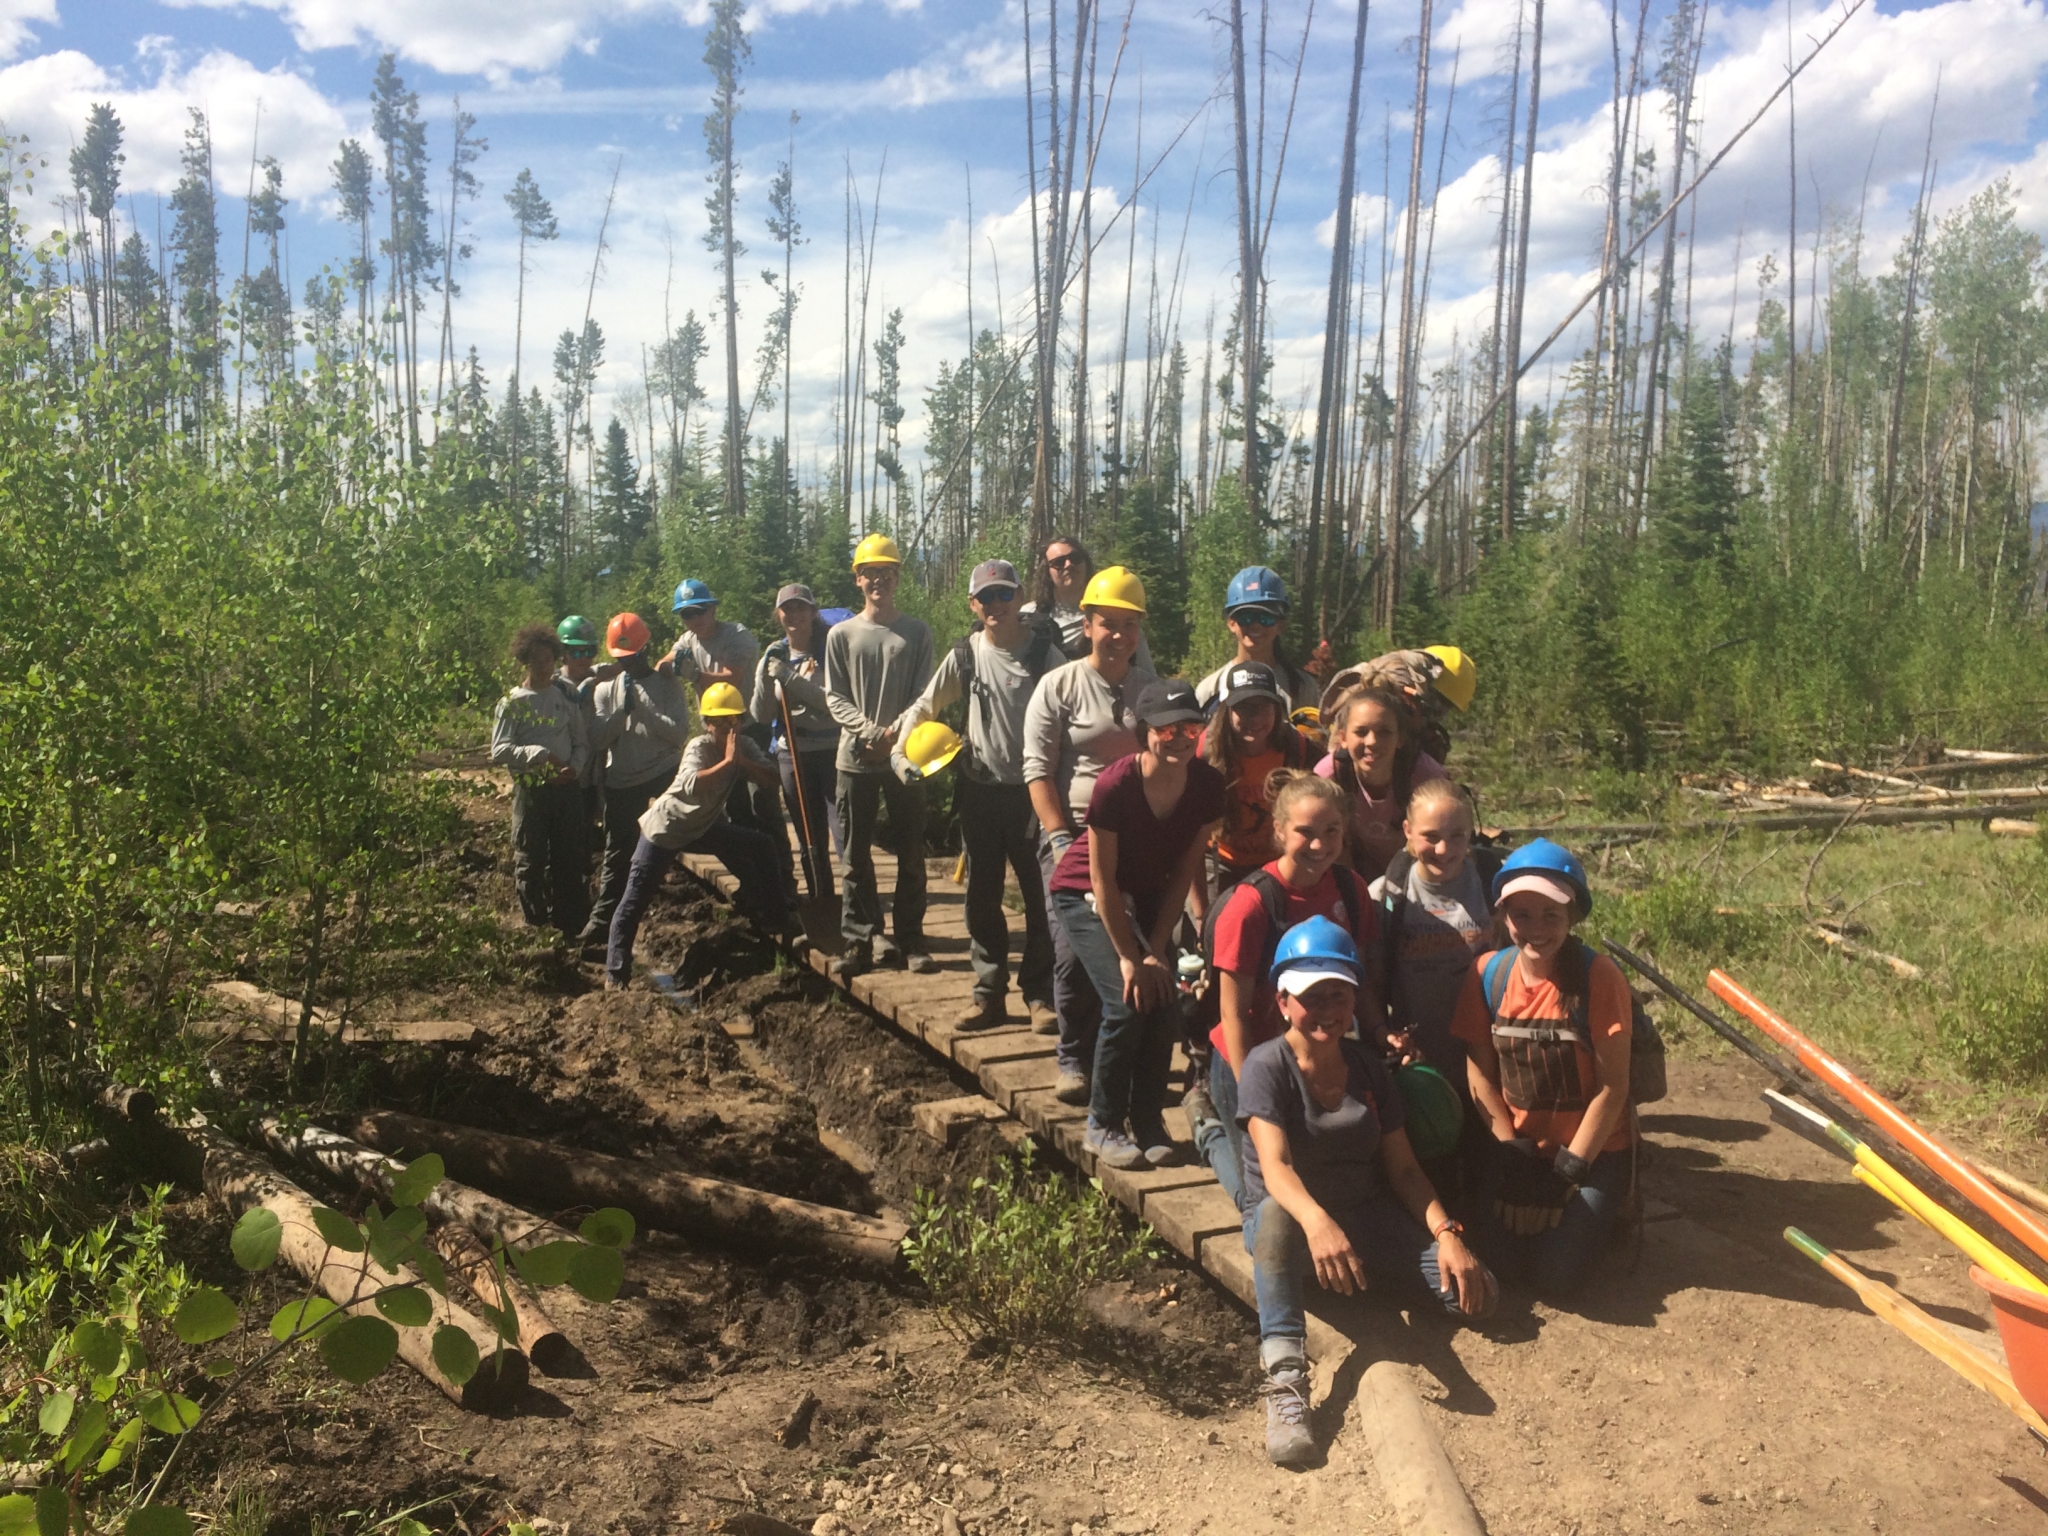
[(994, 671)]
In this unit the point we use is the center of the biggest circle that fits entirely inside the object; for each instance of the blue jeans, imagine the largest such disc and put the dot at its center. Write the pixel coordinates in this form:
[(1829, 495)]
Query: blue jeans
[(1133, 1051), (1554, 1264), (1390, 1243), (749, 855), (1073, 994), (1221, 1141)]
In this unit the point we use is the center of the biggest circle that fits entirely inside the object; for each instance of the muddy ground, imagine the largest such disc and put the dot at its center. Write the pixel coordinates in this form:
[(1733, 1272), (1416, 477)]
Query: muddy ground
[(1723, 1384)]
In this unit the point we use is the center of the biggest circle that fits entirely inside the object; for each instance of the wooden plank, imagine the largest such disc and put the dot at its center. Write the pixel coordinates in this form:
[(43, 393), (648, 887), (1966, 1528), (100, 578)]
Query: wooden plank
[(985, 1047), (1003, 1081), (947, 1120), (1135, 1185), (1188, 1218)]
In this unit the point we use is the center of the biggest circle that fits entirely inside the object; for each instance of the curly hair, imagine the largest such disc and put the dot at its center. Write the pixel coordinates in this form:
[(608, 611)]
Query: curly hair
[(532, 637)]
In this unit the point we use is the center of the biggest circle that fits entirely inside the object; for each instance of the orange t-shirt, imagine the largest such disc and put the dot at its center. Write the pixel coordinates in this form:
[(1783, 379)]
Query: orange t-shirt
[(1609, 1013), (1246, 841)]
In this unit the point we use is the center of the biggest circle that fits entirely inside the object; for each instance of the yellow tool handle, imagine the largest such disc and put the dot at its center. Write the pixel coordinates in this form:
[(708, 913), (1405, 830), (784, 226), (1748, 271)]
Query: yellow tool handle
[(1886, 1180)]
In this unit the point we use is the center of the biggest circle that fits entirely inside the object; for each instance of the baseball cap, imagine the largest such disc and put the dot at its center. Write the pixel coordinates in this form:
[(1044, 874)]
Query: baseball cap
[(1542, 885), (1246, 680), (1297, 979), (795, 592), (992, 573), (1167, 702)]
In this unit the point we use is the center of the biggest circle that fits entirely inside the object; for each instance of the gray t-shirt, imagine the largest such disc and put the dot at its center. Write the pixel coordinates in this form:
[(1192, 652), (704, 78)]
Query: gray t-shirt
[(1299, 687), (872, 672), (1336, 1151), (530, 728), (1077, 725), (645, 743), (1443, 930), (995, 715), (732, 648), (682, 812), (1071, 623)]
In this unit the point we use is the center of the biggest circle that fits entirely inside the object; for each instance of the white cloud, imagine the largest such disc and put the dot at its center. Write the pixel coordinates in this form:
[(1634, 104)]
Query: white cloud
[(16, 17)]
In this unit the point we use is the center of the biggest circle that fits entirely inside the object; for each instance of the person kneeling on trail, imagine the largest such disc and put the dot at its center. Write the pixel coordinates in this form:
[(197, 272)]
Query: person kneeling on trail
[(1332, 1187), (1547, 1025), (690, 815)]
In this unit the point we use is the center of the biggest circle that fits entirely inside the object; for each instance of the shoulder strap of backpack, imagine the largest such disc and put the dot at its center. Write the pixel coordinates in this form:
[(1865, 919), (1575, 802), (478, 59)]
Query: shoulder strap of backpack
[(1274, 897), (1493, 981), (1045, 641)]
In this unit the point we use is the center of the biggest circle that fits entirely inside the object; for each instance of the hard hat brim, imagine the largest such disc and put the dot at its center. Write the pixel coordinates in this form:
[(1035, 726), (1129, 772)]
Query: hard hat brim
[(1298, 979), (938, 764), (1104, 602)]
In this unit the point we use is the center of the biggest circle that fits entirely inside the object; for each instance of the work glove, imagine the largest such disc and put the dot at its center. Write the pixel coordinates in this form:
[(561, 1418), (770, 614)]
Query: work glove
[(779, 669), (1533, 1192)]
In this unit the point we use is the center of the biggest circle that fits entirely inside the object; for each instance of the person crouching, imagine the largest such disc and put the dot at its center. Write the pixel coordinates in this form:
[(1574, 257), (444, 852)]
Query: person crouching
[(690, 815)]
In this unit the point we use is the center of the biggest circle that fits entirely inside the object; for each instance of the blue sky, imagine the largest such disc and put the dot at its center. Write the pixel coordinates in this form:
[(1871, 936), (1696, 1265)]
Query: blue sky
[(569, 88)]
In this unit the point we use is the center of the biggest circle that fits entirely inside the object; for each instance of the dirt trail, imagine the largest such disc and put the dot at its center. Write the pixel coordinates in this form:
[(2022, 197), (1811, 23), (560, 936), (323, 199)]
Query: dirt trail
[(1724, 1385)]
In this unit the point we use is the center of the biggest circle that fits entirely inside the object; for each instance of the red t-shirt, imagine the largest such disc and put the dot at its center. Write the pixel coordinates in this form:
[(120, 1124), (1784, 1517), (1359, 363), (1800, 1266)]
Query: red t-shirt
[(1241, 929), (1148, 848)]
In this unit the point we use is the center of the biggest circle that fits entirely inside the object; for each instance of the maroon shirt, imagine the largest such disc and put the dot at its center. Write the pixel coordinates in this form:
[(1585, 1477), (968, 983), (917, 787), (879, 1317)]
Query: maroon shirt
[(1148, 848)]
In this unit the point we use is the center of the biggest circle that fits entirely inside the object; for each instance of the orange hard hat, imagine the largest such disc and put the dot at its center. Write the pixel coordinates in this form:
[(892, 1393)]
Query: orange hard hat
[(626, 635)]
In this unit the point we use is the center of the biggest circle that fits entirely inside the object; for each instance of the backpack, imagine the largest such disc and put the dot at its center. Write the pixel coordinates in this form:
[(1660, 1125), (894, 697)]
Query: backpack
[(1038, 660), (1207, 1011), (1539, 1066)]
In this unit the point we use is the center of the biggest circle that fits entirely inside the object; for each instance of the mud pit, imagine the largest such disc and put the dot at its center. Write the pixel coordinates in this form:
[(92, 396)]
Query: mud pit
[(1724, 1385)]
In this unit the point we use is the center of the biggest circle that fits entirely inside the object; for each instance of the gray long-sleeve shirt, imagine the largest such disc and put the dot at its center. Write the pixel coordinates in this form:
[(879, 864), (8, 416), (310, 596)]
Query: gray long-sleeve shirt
[(1077, 725), (681, 813), (732, 648), (995, 715), (533, 726), (809, 710), (872, 672), (645, 742)]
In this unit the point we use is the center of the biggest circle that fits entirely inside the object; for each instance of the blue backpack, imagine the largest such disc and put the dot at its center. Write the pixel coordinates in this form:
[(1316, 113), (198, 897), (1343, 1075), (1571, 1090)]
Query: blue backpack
[(1539, 1063)]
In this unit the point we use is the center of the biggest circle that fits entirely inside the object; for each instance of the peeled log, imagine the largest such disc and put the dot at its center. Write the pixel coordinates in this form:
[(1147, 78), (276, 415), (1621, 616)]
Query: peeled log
[(545, 1344), (242, 1182), (1420, 1483), (562, 1177)]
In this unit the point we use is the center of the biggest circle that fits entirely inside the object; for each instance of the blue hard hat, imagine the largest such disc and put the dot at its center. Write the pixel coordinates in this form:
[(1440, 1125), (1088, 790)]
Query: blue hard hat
[(1543, 857), (1319, 944), (692, 593), (1256, 586)]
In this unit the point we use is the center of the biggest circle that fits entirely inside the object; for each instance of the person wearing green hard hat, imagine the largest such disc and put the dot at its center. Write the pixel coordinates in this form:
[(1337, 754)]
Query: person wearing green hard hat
[(1333, 1193)]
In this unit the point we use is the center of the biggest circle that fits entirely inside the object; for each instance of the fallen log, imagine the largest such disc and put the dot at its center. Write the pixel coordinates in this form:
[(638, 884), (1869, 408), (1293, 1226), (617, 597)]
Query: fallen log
[(1804, 821), (2012, 826), (272, 1017), (1855, 951), (1962, 767), (1420, 1483), (241, 1181), (545, 1344), (561, 1177)]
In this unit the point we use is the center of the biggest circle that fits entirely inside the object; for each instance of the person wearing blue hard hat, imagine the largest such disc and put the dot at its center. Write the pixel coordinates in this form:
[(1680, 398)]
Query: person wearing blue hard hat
[(1256, 608), (1333, 1191), (1546, 1024)]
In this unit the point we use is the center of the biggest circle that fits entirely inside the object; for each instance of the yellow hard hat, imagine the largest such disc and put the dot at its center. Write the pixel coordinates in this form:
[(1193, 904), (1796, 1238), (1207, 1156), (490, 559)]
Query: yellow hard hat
[(1459, 679), (1309, 721), (1115, 586), (931, 746), (719, 701), (876, 549)]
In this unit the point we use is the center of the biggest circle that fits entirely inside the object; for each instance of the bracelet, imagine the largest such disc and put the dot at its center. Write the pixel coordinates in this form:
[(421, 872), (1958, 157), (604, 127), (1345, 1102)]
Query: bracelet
[(1451, 1224)]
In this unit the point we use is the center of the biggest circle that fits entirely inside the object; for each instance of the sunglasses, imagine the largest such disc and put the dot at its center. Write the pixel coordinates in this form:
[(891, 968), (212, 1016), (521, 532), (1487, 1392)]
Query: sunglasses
[(691, 613), (1265, 618), (1184, 730), (1061, 562), (996, 595)]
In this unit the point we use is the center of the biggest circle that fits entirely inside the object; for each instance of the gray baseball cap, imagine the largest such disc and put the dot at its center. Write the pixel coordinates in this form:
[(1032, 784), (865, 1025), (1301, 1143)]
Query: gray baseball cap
[(992, 573), (795, 592)]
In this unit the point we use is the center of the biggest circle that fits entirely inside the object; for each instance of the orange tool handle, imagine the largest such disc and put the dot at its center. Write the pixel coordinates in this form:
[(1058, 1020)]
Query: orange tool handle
[(1951, 1166)]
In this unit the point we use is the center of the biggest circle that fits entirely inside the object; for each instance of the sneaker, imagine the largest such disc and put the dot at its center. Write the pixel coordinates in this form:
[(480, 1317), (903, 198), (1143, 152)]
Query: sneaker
[(852, 963), (887, 952), (1112, 1148), (614, 984), (1072, 1088), (1288, 1440), (984, 1013), (1044, 1021), (1200, 1108), (1158, 1147), (920, 963)]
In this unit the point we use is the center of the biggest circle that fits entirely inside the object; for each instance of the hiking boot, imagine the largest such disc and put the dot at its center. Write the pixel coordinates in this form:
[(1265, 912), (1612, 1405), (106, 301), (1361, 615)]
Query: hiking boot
[(1158, 1147), (984, 1013), (1072, 1088), (1044, 1021), (1288, 1440), (887, 952), (919, 963), (1112, 1148), (1200, 1108), (853, 962)]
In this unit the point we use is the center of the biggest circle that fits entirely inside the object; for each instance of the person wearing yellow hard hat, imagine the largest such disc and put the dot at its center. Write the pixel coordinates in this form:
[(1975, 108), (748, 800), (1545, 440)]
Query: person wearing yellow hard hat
[(689, 816), (1079, 722), (1064, 571), (992, 672), (876, 663)]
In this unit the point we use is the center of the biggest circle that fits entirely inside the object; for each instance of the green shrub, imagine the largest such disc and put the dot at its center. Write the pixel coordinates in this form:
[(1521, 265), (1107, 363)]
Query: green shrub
[(1682, 912), (1994, 1024), (1011, 1263)]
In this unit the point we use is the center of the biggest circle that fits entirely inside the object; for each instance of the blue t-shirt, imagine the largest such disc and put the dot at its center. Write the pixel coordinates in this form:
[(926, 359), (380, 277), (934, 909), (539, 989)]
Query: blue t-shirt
[(1336, 1151)]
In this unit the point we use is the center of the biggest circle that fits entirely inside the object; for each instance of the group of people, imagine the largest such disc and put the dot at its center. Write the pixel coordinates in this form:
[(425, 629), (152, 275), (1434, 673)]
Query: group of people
[(1392, 1030)]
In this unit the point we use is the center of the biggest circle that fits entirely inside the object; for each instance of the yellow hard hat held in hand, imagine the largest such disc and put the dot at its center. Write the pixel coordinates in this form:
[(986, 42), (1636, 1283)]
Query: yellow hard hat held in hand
[(720, 701), (1115, 586), (1459, 679), (931, 746), (876, 549)]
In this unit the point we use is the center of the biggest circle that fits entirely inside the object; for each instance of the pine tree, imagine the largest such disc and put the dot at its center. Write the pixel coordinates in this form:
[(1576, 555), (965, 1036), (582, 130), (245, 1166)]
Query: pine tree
[(535, 220), (624, 517), (356, 188), (195, 236), (96, 173)]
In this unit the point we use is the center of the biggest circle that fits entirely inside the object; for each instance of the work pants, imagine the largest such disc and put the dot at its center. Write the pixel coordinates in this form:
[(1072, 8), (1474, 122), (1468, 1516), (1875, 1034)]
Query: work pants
[(1000, 831), (820, 779), (1554, 1264), (861, 798), (1073, 994), (1390, 1243), (1133, 1050), (760, 806), (623, 809), (747, 855), (550, 859)]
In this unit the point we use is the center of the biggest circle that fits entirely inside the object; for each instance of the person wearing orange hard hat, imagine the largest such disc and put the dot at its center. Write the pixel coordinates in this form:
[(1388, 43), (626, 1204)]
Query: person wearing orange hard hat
[(642, 725)]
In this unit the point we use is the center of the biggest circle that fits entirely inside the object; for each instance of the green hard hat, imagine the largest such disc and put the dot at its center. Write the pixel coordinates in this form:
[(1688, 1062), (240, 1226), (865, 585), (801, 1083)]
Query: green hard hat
[(1436, 1114), (576, 630)]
